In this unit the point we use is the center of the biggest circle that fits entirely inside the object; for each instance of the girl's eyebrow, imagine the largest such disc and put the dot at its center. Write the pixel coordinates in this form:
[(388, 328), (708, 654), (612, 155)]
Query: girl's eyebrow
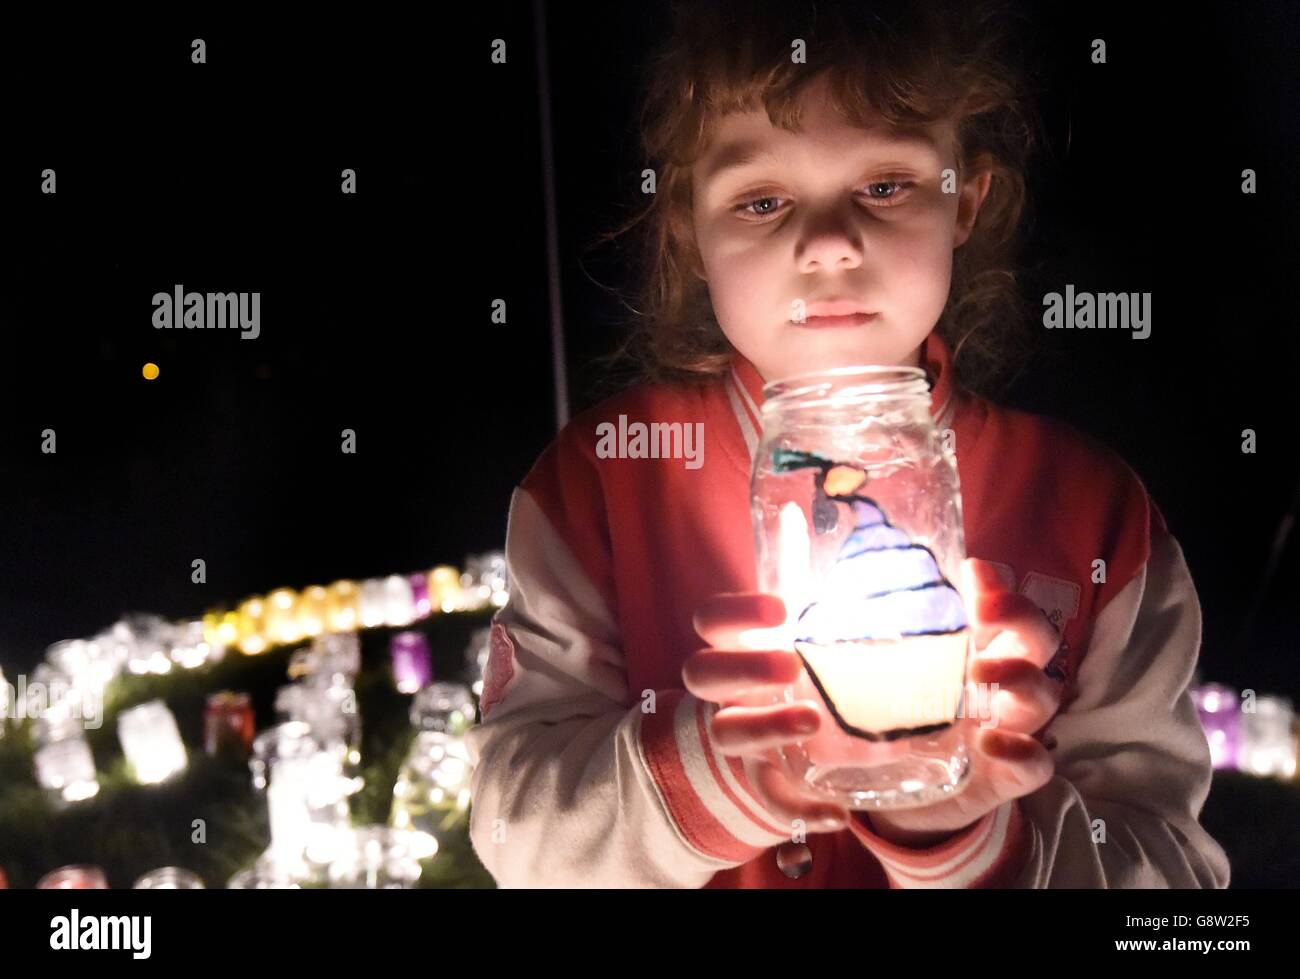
[(745, 152), (740, 153)]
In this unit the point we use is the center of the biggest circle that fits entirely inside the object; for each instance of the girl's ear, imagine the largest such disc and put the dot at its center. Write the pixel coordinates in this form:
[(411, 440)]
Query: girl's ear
[(974, 189)]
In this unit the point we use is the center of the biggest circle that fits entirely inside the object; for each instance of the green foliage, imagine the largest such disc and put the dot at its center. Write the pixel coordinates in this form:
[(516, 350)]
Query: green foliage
[(128, 829)]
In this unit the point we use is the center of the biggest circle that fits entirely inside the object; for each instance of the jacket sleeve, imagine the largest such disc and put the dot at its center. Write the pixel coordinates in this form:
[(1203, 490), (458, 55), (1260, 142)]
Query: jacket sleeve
[(1132, 760), (579, 782), (1132, 765)]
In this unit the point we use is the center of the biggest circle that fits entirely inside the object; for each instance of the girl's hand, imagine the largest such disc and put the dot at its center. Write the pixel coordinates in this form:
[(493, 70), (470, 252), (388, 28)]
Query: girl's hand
[(1013, 642), (729, 674)]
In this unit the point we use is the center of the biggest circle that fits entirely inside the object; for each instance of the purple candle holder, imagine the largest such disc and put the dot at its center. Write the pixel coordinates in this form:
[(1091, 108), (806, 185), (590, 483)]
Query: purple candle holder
[(420, 590), (412, 661), (1219, 708)]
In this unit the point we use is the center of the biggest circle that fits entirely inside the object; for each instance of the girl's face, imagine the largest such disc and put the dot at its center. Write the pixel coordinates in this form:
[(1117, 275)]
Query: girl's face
[(787, 223)]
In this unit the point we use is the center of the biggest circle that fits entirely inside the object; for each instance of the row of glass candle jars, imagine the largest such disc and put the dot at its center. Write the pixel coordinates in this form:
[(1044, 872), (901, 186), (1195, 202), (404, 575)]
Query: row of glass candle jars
[(151, 740), (369, 857), (85, 877), (65, 765), (302, 764), (143, 644), (64, 698), (53, 696), (228, 720), (138, 643), (286, 616), (432, 791), (71, 681)]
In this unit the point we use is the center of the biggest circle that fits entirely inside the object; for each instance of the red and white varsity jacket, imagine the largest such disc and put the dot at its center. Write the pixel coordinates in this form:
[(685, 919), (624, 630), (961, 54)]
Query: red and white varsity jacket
[(594, 767)]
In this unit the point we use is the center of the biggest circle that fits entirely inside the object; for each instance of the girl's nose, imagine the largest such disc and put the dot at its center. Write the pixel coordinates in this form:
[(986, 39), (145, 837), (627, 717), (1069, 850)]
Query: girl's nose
[(832, 243)]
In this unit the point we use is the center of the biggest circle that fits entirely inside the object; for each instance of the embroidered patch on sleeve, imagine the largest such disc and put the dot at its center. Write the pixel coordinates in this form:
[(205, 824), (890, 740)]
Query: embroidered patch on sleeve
[(500, 668)]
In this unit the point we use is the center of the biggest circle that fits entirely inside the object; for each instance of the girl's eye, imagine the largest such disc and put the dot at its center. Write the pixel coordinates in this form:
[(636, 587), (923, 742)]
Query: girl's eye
[(885, 193), (759, 207), (888, 191)]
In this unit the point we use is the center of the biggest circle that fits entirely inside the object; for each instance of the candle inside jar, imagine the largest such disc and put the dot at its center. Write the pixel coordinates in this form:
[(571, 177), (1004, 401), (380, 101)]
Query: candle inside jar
[(886, 643)]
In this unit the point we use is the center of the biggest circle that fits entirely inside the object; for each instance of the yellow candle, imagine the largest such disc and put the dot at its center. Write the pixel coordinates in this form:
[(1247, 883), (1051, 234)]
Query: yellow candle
[(444, 587), (312, 609), (342, 606), (281, 624), (252, 635), (212, 626)]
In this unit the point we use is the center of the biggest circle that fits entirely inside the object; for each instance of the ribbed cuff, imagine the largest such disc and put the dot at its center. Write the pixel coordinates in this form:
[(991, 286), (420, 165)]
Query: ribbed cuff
[(709, 796), (988, 853)]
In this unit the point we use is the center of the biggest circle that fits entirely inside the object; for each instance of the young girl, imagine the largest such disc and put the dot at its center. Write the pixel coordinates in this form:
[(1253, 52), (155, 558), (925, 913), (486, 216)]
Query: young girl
[(837, 185)]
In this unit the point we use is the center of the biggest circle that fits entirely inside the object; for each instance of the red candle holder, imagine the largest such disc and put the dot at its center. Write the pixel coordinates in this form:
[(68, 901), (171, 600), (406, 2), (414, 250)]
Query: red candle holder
[(75, 877), (228, 725)]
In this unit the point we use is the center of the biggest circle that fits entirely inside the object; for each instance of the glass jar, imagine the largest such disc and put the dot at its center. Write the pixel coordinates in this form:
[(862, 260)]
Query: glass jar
[(307, 796), (330, 709), (228, 724), (432, 791), (1219, 710), (265, 874), (858, 528), (1269, 746), (412, 660), (74, 877), (170, 879), (444, 707), (378, 857)]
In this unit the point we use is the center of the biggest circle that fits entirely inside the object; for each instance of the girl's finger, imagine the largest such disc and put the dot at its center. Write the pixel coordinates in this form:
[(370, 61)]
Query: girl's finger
[(742, 731), (1014, 765), (1025, 698), (721, 619), (1037, 647), (721, 674), (980, 579), (786, 803), (980, 576), (1032, 635)]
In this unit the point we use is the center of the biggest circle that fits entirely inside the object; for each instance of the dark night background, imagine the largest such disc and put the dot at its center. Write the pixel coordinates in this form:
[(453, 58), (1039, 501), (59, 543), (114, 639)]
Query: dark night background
[(375, 307)]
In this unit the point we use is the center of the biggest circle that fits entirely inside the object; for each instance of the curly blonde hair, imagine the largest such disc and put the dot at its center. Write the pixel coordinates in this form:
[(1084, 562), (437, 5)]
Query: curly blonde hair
[(914, 64)]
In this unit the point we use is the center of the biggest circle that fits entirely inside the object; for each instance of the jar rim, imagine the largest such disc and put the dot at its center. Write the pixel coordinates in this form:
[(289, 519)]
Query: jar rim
[(878, 380)]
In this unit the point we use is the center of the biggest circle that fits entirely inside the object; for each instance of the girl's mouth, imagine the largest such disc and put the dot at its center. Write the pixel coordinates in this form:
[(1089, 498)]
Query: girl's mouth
[(853, 319)]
